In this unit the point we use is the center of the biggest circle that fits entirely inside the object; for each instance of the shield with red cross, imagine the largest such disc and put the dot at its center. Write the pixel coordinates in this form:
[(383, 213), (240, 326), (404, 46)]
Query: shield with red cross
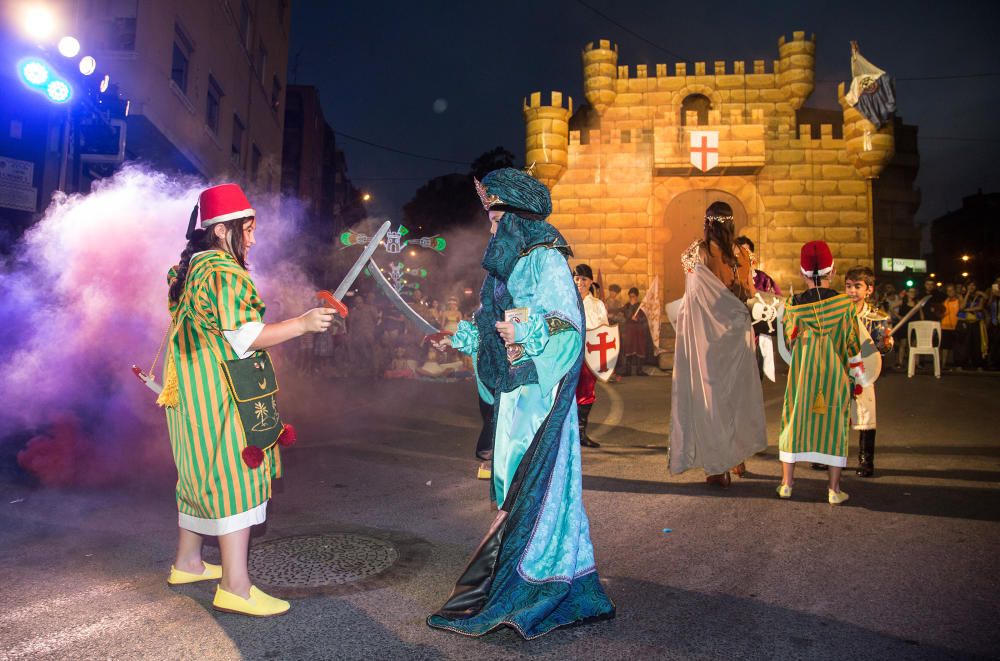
[(704, 149), (600, 350)]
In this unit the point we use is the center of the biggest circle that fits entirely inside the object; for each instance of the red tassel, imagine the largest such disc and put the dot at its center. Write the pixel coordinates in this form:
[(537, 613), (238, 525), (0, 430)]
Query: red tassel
[(253, 456), (287, 436)]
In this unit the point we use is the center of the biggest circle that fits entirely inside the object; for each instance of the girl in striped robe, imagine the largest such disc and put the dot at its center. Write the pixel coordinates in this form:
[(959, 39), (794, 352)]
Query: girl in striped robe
[(822, 332), (217, 316)]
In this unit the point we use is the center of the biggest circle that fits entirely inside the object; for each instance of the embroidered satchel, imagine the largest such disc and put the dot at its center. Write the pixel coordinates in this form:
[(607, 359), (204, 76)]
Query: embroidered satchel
[(253, 384)]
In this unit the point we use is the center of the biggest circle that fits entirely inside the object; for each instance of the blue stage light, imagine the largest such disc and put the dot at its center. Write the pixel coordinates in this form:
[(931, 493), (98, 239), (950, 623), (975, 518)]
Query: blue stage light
[(58, 91), (34, 72), (39, 75)]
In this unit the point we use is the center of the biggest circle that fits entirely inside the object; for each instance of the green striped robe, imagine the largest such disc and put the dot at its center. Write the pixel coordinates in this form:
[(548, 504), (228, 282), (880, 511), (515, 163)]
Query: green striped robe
[(206, 435), (815, 417)]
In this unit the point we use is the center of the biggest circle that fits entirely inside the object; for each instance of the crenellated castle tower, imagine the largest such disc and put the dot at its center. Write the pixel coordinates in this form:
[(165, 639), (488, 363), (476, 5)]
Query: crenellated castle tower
[(630, 194)]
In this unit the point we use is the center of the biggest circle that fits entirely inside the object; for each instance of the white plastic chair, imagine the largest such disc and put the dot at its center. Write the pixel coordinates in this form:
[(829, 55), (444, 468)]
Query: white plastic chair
[(925, 340)]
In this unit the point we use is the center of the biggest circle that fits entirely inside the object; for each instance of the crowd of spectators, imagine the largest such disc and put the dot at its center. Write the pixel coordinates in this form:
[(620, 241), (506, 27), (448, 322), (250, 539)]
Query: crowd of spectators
[(968, 314), (375, 340)]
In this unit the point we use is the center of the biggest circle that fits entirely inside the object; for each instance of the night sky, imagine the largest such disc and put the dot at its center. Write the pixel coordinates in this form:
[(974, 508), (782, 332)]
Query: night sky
[(385, 71)]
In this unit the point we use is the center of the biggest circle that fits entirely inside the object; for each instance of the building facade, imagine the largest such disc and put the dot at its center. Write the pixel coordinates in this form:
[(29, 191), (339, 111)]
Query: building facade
[(967, 241), (630, 192), (313, 169), (205, 80)]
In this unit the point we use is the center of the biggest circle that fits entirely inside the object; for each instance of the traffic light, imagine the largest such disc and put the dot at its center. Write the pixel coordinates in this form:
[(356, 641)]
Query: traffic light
[(910, 283)]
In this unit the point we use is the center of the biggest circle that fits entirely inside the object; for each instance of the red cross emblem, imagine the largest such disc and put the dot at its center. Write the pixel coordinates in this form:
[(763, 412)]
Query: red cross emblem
[(603, 346), (704, 149)]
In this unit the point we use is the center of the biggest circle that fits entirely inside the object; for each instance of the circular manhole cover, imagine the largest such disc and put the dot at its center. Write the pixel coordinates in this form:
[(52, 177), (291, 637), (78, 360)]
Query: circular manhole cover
[(314, 562)]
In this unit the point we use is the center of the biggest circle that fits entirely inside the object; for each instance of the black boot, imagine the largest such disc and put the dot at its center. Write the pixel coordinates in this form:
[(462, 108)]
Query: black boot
[(866, 453), (639, 363), (583, 412)]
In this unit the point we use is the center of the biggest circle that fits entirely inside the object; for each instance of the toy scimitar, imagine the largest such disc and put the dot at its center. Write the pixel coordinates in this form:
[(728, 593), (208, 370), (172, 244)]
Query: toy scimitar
[(335, 300), (147, 379)]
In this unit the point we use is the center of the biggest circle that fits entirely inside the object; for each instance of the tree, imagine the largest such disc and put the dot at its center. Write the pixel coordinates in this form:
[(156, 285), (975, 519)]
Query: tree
[(494, 159), (443, 202), (451, 200)]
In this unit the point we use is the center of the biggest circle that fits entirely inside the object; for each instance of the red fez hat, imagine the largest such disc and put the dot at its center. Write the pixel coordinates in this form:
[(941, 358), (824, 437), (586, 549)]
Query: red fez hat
[(221, 203), (816, 260)]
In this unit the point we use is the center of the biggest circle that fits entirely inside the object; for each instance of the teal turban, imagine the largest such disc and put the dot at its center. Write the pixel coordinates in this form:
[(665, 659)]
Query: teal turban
[(518, 192), (526, 203)]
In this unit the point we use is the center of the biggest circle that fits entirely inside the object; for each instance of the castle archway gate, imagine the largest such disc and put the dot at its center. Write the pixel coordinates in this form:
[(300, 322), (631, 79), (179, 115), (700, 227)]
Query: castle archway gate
[(685, 222)]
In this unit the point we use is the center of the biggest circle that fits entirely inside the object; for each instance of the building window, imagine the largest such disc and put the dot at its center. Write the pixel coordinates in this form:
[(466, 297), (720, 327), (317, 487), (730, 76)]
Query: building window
[(212, 103), (262, 62), (254, 162), (111, 24), (275, 93), (238, 131), (245, 23), (698, 103), (181, 59)]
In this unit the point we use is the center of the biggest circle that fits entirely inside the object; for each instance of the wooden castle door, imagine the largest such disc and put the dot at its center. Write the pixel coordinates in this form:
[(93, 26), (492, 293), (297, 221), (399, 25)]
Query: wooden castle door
[(685, 220)]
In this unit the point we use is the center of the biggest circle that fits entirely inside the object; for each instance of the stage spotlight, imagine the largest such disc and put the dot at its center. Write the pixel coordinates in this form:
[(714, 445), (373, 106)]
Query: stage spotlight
[(58, 91), (69, 47), (104, 83), (88, 65), (39, 22), (34, 72)]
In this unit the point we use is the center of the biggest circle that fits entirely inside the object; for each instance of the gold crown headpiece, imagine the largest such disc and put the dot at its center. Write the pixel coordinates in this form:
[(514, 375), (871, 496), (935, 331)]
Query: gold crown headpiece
[(485, 196)]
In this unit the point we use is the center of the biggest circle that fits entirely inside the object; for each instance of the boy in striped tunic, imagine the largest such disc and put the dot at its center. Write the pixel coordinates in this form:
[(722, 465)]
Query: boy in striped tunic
[(217, 316), (822, 332)]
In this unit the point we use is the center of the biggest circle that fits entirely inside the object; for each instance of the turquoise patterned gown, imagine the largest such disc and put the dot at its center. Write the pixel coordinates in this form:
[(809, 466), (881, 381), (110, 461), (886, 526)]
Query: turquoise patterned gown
[(535, 569)]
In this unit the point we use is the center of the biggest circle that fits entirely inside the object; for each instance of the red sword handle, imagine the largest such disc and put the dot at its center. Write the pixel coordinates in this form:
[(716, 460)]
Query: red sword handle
[(328, 299), (437, 337)]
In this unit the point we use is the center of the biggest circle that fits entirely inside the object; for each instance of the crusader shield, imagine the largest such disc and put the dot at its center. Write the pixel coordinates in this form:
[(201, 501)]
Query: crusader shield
[(601, 350), (866, 366)]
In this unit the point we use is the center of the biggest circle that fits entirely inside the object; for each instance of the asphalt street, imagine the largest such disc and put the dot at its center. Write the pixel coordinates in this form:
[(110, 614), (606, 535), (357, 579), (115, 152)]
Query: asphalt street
[(906, 569)]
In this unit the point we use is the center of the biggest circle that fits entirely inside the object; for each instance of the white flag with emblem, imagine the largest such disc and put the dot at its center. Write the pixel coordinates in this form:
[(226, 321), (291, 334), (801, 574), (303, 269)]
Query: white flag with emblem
[(704, 149), (651, 306)]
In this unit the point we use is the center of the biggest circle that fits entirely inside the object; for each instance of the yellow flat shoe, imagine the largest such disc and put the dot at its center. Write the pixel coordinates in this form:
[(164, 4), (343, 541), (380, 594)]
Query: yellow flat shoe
[(259, 604), (484, 473), (178, 577), (836, 497), (784, 491)]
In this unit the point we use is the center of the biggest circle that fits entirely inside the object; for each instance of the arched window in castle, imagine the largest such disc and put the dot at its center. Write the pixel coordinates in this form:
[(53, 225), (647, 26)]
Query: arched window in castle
[(698, 103)]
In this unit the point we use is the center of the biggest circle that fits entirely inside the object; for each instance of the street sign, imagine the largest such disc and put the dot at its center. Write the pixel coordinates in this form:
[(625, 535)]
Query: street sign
[(22, 198), (16, 173), (899, 264)]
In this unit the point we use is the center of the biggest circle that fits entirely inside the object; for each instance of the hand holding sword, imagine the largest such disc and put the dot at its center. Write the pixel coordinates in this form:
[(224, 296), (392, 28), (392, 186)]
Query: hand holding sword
[(440, 341), (316, 320)]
